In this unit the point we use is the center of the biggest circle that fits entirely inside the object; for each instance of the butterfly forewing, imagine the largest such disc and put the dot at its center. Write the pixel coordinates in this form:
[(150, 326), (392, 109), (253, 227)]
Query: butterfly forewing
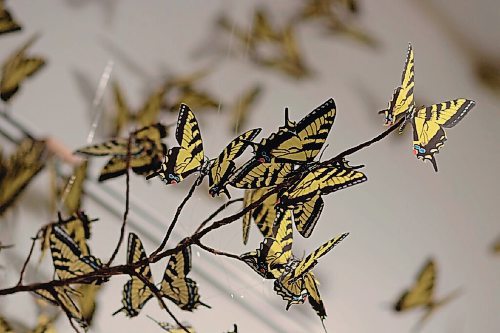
[(421, 293)]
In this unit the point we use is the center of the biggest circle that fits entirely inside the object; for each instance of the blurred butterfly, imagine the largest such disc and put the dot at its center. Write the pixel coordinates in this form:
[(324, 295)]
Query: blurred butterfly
[(421, 294), (496, 247), (69, 259), (7, 22), (60, 296), (264, 214), (45, 324), (145, 116), (17, 171), (298, 142), (87, 300), (321, 8), (304, 196), (70, 193), (176, 286), (428, 123), (223, 167), (172, 328), (77, 226), (146, 152), (17, 68), (135, 292), (5, 326), (255, 174), (242, 107)]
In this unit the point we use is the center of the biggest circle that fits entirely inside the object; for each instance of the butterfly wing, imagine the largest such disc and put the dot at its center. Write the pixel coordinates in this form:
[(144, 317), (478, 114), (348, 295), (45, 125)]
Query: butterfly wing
[(114, 147), (5, 327), (19, 169), (135, 292), (314, 128), (73, 198), (402, 99), (123, 113), (67, 256), (254, 174), (306, 264), (264, 214), (243, 105), (306, 214), (311, 285), (150, 111), (17, 68), (222, 167), (176, 286), (7, 22), (421, 293), (428, 133)]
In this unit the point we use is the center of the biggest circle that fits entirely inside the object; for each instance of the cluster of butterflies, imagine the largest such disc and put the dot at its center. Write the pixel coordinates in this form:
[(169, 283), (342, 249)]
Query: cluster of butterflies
[(428, 123), (287, 57)]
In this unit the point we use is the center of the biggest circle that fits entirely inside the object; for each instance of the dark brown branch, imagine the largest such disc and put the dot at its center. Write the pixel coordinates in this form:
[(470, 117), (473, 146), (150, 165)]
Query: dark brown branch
[(176, 217), (214, 214), (217, 252), (25, 265), (127, 203)]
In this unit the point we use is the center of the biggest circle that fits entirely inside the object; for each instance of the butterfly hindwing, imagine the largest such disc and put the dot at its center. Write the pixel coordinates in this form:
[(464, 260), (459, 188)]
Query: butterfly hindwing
[(254, 174)]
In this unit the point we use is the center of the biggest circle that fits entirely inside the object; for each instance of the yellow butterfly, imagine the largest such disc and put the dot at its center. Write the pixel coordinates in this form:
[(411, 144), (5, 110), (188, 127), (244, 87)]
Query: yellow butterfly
[(421, 294), (274, 253), (135, 292), (298, 142), (17, 68), (68, 258), (7, 23), (45, 324), (70, 193), (428, 123), (176, 286), (5, 326), (255, 174), (77, 226), (264, 214), (146, 152), (17, 171), (223, 167), (60, 296), (304, 196), (243, 105), (145, 116)]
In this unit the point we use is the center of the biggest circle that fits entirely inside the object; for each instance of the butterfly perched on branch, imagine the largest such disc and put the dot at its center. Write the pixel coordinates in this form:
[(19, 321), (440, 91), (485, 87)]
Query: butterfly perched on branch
[(7, 22), (421, 293), (428, 123), (17, 68), (146, 152), (18, 170)]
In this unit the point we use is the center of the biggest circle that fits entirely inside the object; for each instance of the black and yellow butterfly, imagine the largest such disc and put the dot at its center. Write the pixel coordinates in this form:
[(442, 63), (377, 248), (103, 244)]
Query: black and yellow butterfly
[(60, 296), (428, 123), (421, 294), (274, 253), (7, 22), (17, 68), (68, 190), (304, 196), (264, 214), (45, 324), (189, 157), (145, 116), (223, 166), (298, 282), (146, 152), (242, 107), (176, 286), (173, 328), (68, 258), (135, 292), (255, 174), (77, 226), (301, 142), (17, 171)]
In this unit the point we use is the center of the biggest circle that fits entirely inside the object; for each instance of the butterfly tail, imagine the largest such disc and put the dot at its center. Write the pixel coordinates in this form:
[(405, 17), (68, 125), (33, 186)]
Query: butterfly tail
[(152, 175), (434, 163)]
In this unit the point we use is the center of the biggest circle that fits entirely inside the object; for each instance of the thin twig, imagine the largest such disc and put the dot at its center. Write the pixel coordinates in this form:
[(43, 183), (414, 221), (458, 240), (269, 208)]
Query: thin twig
[(217, 252), (25, 265), (215, 213), (127, 203), (157, 294), (176, 217)]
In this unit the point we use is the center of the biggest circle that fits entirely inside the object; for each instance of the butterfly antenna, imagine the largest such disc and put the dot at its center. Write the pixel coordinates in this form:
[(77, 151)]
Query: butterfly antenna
[(206, 305)]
